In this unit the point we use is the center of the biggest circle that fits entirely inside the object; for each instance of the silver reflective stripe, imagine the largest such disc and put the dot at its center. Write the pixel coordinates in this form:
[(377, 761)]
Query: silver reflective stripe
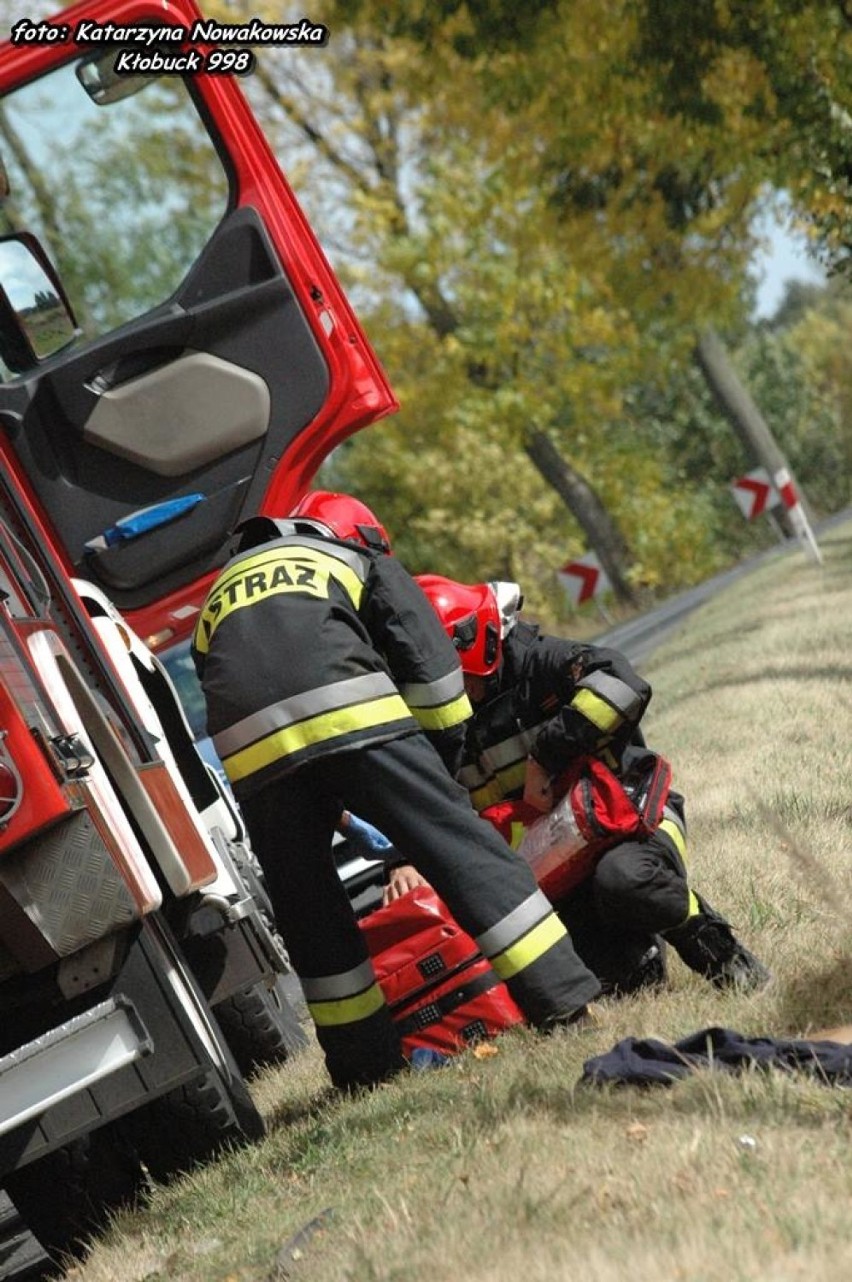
[(510, 750), (515, 924), (428, 694), (616, 692), (472, 777), (674, 818), (334, 988), (311, 703), (357, 563)]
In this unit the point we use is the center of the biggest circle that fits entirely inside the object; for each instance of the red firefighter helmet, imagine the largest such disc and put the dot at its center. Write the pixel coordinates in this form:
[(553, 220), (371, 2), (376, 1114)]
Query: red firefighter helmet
[(471, 619), (346, 517)]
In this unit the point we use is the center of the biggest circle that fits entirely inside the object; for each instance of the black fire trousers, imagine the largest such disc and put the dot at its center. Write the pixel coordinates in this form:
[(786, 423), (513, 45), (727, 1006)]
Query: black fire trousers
[(403, 788), (638, 890)]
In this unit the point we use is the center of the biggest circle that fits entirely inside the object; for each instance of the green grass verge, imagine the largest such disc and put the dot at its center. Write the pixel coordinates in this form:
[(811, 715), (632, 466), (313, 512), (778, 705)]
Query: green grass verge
[(503, 1167)]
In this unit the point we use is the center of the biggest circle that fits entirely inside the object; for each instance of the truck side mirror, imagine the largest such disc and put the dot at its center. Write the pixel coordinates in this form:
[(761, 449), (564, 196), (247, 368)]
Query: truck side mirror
[(104, 84), (36, 320)]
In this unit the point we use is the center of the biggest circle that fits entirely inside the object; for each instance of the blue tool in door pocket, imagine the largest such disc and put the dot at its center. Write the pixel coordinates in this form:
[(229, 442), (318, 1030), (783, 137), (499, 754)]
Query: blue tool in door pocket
[(143, 520)]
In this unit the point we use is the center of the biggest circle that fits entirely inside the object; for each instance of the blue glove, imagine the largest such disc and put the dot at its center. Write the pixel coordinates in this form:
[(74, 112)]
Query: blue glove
[(366, 840)]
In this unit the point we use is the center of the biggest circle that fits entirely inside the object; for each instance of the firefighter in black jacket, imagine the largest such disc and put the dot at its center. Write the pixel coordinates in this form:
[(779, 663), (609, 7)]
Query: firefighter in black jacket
[(326, 675), (540, 703)]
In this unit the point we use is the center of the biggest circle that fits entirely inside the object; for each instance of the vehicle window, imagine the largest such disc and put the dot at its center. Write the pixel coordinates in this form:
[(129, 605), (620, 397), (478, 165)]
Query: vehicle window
[(178, 663), (122, 195)]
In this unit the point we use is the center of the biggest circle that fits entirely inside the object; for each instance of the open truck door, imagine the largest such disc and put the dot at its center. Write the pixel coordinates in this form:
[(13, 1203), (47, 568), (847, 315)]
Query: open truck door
[(180, 354), (175, 355)]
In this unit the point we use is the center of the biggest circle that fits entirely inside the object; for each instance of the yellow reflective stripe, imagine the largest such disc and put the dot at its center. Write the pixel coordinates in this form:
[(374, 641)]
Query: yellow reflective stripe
[(300, 552), (450, 714), (513, 778), (674, 834), (528, 950), (615, 692), (517, 834), (347, 1010), (270, 573), (351, 693), (320, 729), (488, 794), (516, 924), (596, 710)]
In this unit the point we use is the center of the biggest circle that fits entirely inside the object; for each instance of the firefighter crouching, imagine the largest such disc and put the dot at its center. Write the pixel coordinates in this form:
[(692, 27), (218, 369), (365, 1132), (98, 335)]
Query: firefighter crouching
[(331, 686), (541, 702)]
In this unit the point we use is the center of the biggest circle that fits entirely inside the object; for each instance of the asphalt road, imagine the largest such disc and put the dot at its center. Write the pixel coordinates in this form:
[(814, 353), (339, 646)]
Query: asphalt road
[(639, 637), (20, 1257)]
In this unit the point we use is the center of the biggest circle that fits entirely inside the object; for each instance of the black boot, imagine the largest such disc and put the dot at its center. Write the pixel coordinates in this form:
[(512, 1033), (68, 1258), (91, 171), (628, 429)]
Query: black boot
[(707, 944), (363, 1054), (651, 971)]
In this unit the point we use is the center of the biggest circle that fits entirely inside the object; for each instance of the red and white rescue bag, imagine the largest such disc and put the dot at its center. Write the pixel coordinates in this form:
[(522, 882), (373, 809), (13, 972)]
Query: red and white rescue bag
[(442, 993), (596, 811)]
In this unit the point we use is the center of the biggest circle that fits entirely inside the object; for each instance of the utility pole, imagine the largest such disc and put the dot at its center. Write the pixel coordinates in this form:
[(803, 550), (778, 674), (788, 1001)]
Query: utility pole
[(753, 430)]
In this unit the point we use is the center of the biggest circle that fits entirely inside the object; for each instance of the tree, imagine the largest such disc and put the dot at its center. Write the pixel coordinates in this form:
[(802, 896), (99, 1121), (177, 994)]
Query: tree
[(533, 229), (776, 74), (545, 307)]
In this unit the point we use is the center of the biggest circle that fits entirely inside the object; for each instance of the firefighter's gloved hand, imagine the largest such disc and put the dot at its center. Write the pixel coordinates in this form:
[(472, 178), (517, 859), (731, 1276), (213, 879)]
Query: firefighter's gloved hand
[(365, 840)]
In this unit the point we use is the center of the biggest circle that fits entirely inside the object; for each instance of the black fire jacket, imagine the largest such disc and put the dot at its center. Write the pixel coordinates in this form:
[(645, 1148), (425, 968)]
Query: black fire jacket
[(307, 646), (555, 700)]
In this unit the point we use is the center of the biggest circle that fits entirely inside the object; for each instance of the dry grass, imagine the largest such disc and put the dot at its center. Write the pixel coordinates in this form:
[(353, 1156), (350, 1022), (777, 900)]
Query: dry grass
[(503, 1167)]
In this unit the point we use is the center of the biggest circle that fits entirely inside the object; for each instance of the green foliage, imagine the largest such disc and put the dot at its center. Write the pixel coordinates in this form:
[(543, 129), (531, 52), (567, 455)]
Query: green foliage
[(535, 209), (477, 24), (535, 236), (122, 197), (798, 57)]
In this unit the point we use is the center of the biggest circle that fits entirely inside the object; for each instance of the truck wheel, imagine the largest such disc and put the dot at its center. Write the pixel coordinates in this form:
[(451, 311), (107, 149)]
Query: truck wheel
[(68, 1195), (261, 1026), (195, 1123), (214, 1111)]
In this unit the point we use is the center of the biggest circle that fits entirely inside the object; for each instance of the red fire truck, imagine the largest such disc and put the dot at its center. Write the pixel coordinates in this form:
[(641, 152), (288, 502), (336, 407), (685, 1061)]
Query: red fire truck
[(175, 354)]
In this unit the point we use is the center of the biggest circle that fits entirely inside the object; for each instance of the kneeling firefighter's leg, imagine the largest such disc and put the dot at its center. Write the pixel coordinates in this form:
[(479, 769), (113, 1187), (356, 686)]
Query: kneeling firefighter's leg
[(706, 943), (624, 960), (645, 882), (642, 886), (291, 823), (404, 789)]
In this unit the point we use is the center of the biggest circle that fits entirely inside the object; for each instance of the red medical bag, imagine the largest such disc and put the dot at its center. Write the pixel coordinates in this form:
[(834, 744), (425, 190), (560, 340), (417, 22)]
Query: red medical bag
[(441, 991), (596, 811)]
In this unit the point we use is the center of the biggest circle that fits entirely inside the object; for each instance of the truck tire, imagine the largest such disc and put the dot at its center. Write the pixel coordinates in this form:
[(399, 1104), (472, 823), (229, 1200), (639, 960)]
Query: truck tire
[(262, 1026), (67, 1196), (194, 1124), (214, 1111)]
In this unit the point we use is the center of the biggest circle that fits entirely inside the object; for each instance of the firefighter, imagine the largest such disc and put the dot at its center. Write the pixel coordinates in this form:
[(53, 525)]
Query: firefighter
[(331, 686), (539, 703)]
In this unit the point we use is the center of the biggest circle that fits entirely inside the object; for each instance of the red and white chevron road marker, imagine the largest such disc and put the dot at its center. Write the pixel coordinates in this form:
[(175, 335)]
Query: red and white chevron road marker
[(786, 488), (583, 579), (754, 493), (796, 512)]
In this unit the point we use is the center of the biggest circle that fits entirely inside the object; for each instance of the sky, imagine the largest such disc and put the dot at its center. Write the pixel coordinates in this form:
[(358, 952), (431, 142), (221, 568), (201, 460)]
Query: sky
[(784, 258)]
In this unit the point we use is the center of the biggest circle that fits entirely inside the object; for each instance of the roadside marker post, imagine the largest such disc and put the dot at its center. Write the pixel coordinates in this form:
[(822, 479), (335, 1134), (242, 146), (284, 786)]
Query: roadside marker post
[(584, 579), (798, 517), (754, 493), (757, 493)]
